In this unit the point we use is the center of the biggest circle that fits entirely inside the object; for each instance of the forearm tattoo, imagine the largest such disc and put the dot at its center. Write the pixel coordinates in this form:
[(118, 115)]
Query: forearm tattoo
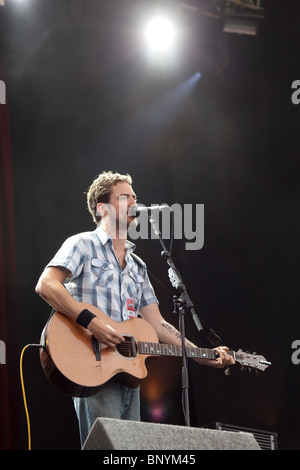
[(171, 329), (176, 333)]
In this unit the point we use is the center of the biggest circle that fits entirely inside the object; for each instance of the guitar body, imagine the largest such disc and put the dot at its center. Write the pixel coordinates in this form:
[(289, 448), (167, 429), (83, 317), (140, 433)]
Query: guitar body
[(70, 363), (75, 362)]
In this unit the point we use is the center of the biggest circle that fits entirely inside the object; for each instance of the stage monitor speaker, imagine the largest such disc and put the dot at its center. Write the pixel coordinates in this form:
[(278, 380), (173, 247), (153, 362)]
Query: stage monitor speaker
[(113, 434), (266, 440)]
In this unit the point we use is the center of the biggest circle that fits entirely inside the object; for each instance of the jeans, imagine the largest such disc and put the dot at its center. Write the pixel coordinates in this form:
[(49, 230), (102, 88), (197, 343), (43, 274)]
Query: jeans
[(112, 401)]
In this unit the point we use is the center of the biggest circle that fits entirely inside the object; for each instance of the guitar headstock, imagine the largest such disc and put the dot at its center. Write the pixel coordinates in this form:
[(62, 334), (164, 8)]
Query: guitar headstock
[(251, 361)]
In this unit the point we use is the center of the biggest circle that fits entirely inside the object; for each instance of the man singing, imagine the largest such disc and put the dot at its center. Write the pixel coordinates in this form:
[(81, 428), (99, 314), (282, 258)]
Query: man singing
[(98, 268)]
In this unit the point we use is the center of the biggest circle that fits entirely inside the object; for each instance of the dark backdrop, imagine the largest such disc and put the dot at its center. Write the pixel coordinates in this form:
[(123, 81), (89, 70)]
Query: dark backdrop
[(83, 98)]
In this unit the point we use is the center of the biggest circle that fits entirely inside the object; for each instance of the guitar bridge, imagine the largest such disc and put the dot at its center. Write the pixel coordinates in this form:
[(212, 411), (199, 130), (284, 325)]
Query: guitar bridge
[(96, 348)]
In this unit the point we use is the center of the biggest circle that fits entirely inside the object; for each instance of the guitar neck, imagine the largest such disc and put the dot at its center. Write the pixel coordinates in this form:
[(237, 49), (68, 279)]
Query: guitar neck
[(158, 349)]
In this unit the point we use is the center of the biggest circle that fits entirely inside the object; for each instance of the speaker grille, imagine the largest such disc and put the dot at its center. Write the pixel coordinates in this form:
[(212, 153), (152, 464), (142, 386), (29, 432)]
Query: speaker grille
[(266, 440)]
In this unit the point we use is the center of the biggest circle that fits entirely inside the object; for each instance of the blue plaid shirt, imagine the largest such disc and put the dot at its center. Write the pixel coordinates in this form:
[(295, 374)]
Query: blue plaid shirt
[(97, 278)]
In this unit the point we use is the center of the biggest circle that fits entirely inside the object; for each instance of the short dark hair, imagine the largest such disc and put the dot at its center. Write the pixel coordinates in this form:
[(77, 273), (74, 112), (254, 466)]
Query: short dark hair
[(100, 190)]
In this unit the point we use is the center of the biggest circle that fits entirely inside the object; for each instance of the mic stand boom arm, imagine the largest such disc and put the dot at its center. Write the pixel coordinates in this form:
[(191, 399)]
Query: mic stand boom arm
[(185, 305), (176, 278)]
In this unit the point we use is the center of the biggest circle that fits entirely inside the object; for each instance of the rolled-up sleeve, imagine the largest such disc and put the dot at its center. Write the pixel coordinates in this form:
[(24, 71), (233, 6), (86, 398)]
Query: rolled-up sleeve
[(148, 295), (70, 256)]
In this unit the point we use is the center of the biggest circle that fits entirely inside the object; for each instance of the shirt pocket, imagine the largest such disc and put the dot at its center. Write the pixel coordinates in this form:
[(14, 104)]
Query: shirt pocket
[(101, 272), (135, 287)]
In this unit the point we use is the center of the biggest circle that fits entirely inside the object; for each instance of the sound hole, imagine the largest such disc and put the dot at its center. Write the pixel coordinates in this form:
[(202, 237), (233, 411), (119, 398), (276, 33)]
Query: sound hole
[(128, 348)]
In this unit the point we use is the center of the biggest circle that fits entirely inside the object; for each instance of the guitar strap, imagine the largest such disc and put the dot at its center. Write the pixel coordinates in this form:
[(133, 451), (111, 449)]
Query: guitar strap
[(138, 259)]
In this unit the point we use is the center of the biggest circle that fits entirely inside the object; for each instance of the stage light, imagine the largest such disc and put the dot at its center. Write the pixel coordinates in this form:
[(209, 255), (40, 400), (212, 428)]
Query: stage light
[(243, 18), (160, 34), (238, 25)]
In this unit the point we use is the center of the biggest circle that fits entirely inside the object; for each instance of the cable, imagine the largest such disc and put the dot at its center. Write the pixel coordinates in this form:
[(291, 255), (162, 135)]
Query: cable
[(23, 391)]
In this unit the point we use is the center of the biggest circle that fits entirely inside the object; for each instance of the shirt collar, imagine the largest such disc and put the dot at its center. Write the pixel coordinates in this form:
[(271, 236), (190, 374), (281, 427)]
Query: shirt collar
[(104, 238)]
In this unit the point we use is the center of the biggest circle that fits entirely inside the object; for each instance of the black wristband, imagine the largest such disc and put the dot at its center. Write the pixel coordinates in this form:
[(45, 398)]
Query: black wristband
[(84, 318)]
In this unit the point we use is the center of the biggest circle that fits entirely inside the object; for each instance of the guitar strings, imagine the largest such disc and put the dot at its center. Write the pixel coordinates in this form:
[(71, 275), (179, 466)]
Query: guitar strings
[(127, 349)]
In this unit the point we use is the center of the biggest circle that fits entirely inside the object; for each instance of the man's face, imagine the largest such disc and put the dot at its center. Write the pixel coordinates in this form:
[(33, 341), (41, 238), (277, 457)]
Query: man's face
[(122, 197)]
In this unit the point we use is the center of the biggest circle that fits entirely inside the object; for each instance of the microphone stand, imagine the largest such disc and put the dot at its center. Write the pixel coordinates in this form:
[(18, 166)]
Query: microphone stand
[(184, 305)]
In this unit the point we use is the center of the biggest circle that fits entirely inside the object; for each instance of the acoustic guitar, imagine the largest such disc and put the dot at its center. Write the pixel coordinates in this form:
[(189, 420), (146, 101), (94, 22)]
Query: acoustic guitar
[(78, 365)]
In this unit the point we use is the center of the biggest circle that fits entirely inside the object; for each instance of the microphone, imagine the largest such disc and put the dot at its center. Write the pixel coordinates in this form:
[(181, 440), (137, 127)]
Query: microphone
[(135, 211)]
